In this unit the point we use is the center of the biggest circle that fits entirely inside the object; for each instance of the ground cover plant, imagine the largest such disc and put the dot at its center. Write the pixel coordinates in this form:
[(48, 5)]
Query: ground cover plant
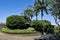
[(18, 31)]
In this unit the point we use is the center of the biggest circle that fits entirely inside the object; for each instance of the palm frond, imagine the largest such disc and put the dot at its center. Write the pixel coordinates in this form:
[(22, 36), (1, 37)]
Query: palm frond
[(39, 2)]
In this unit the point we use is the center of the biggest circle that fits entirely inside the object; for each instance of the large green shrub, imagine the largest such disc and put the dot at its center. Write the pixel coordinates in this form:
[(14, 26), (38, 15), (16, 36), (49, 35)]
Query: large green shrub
[(17, 22), (42, 25)]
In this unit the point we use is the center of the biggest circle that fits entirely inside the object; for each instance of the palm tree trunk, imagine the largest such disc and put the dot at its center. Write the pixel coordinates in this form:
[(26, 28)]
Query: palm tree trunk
[(42, 20), (42, 17), (42, 11), (42, 14), (36, 17)]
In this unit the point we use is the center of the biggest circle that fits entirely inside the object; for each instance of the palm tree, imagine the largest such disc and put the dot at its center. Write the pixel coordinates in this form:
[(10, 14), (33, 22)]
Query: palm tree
[(40, 5), (29, 12)]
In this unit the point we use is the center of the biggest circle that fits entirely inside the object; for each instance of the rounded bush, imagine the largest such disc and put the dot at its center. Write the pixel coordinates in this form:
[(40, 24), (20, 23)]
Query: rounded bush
[(41, 25), (16, 22)]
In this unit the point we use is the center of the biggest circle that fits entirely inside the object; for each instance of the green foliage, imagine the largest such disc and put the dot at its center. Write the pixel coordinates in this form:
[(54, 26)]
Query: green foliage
[(46, 26), (22, 22), (34, 22), (40, 23), (42, 26), (18, 31), (17, 22), (36, 25)]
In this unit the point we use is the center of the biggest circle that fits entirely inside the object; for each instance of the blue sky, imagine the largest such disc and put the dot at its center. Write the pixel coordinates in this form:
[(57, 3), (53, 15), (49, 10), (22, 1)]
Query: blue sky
[(13, 7)]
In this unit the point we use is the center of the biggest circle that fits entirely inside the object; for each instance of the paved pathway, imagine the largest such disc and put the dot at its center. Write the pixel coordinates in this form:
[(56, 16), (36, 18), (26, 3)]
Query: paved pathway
[(4, 36)]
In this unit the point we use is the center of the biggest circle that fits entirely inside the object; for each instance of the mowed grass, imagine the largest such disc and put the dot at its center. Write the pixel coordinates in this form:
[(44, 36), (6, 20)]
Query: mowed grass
[(18, 31)]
